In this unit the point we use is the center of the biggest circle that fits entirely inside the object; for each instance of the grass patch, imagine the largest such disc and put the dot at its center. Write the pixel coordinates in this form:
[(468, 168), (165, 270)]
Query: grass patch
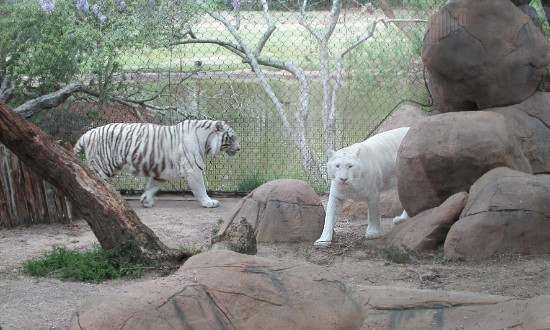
[(251, 182), (91, 266), (217, 229), (190, 249)]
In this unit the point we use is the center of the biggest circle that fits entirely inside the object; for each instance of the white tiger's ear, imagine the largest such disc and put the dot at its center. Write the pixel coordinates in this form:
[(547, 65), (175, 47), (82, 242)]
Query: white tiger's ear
[(358, 152), (330, 153), (219, 126)]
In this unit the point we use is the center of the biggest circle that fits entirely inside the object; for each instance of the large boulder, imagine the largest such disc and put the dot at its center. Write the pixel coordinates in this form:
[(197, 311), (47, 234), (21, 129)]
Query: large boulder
[(529, 121), (507, 211), (239, 237), (537, 106), (445, 154), (404, 116), (284, 210), (482, 54), (401, 308), (227, 290), (428, 229)]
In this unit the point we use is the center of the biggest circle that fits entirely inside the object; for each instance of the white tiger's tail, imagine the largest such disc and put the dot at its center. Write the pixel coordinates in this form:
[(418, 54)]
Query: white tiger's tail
[(80, 144)]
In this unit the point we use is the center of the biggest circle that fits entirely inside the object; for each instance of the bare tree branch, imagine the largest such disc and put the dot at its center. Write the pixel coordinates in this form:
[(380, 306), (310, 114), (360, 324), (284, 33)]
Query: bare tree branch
[(254, 59), (223, 43), (370, 32), (334, 15), (6, 91), (56, 98), (270, 29), (47, 101), (186, 32), (134, 103), (304, 23), (329, 123), (296, 128)]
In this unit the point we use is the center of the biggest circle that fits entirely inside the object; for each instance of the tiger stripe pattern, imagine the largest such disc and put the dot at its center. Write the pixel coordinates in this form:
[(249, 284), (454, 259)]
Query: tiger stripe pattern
[(160, 152)]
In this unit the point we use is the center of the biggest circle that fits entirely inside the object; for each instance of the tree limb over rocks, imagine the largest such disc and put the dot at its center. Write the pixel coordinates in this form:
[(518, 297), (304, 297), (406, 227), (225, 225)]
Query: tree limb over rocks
[(47, 101), (6, 91), (113, 221), (52, 100)]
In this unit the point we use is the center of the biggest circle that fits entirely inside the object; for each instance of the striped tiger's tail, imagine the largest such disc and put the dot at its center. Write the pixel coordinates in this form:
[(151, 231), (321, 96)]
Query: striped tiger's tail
[(80, 144)]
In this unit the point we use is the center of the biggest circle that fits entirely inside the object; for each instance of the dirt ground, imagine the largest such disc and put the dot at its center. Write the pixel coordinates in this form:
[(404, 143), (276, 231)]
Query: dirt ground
[(48, 303)]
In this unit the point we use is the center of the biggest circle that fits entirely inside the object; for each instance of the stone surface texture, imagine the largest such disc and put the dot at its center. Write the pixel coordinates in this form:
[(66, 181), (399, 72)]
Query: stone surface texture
[(445, 154), (284, 210), (507, 212), (429, 229), (483, 54), (227, 290)]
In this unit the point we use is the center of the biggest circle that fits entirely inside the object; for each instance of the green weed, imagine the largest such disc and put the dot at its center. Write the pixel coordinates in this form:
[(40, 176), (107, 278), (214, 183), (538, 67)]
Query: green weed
[(217, 229), (190, 249), (251, 182), (91, 266)]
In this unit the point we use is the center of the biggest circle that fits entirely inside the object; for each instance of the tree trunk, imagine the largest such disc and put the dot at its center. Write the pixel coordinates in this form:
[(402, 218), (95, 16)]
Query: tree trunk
[(113, 221)]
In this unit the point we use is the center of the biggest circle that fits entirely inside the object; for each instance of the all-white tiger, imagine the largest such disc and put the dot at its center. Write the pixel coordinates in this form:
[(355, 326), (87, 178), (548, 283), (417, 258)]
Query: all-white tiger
[(160, 152), (360, 172)]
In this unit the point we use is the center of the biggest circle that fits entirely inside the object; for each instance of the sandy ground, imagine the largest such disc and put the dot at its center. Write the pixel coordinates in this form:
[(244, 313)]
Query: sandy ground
[(48, 303)]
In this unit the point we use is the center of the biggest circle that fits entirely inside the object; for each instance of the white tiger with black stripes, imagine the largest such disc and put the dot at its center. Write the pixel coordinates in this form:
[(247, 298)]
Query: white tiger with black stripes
[(162, 153)]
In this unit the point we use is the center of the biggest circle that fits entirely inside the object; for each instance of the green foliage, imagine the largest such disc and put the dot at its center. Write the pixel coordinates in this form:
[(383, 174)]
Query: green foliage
[(91, 266), (411, 4), (390, 60), (251, 182), (40, 49), (320, 189), (217, 228), (190, 249), (44, 50)]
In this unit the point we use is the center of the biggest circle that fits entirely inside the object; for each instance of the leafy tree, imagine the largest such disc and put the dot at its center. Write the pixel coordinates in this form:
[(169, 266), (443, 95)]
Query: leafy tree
[(46, 44), (42, 50)]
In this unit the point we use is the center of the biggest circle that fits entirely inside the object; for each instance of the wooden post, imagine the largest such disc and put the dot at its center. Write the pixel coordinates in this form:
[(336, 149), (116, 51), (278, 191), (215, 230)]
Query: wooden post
[(25, 198)]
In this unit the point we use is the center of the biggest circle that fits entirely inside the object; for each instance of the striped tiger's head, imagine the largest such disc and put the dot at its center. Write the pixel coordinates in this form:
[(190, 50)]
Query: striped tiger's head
[(229, 143)]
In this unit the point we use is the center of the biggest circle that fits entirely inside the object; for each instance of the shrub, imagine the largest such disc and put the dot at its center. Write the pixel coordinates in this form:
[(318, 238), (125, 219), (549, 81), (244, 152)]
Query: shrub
[(251, 182), (91, 266)]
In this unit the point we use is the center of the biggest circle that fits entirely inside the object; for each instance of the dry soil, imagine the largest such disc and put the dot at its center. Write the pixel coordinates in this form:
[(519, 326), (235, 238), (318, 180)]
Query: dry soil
[(47, 303)]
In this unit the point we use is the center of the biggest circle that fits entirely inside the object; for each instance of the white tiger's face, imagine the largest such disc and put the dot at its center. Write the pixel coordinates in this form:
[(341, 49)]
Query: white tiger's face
[(230, 143), (343, 167)]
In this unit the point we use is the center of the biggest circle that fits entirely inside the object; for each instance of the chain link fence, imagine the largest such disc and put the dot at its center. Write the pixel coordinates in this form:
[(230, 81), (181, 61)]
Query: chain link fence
[(292, 78)]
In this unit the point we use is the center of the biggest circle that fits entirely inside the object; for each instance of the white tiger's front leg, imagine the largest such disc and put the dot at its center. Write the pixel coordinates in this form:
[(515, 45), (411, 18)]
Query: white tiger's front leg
[(373, 204), (151, 189), (334, 208), (196, 183)]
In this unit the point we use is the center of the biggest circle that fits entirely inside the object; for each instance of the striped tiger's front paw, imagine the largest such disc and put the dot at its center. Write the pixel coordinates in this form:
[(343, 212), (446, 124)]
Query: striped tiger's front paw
[(210, 203), (147, 202)]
